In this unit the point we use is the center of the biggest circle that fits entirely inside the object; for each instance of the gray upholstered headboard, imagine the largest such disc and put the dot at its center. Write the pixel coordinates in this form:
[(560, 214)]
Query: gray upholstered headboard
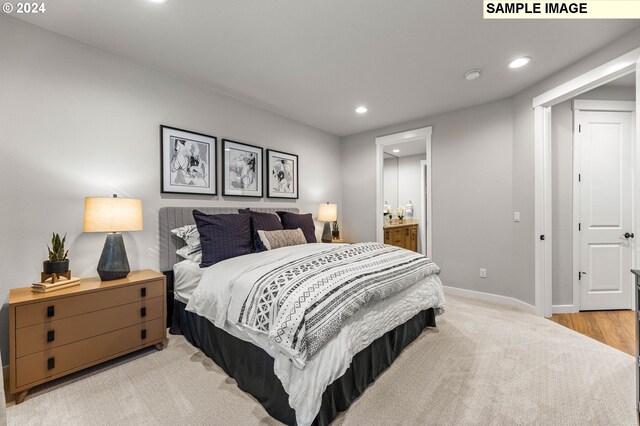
[(175, 217)]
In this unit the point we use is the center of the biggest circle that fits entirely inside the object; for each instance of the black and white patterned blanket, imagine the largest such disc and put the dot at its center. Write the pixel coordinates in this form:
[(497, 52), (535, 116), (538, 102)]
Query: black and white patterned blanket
[(302, 304)]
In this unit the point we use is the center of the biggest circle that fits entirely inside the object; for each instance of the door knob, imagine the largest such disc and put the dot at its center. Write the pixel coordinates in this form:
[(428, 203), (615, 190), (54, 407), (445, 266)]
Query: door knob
[(629, 235)]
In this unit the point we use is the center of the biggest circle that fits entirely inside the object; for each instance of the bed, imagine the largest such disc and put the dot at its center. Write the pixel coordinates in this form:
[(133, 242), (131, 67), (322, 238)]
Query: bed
[(305, 384)]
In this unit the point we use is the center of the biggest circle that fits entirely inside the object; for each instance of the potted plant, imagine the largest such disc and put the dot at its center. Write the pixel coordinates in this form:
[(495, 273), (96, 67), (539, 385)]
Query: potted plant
[(336, 231), (400, 213), (387, 212), (58, 262)]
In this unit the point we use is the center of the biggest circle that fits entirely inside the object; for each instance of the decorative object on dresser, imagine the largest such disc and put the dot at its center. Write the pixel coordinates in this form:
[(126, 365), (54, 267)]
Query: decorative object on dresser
[(58, 264), (335, 234), (402, 234), (241, 169), (51, 285), (327, 213), (282, 175), (386, 212), (189, 162), (54, 334), (113, 215), (400, 214), (409, 210)]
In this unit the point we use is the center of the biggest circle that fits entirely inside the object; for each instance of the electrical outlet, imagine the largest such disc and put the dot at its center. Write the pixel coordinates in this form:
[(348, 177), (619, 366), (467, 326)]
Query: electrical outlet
[(483, 273), (516, 216)]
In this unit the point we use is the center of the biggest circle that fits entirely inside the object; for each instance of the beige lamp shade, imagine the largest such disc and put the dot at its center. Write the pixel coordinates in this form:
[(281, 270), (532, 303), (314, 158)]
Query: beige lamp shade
[(328, 212), (112, 214)]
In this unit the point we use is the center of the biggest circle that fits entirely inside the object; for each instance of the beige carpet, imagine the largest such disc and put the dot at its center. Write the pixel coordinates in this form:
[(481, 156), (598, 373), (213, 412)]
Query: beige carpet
[(486, 365)]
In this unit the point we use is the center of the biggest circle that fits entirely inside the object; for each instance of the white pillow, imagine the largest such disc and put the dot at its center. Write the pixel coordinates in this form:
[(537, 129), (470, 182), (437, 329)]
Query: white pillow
[(190, 253), (190, 235)]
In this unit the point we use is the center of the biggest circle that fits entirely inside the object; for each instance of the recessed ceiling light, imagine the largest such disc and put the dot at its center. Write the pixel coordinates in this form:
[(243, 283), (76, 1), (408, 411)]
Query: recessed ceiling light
[(395, 151), (472, 75), (361, 110), (158, 1), (519, 62)]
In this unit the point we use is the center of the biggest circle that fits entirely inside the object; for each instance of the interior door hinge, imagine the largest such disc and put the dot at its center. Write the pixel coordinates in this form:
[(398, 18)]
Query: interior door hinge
[(579, 128), (579, 177), (579, 226)]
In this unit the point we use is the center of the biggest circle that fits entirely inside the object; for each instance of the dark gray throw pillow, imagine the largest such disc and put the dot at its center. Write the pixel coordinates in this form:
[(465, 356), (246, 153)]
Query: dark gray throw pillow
[(302, 221), (261, 222), (223, 236)]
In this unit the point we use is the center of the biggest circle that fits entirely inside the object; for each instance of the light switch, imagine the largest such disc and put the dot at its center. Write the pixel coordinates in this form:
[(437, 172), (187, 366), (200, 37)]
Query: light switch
[(516, 216)]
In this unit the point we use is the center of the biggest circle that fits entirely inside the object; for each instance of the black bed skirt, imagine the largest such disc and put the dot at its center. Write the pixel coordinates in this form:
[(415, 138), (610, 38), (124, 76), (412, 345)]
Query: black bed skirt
[(252, 367)]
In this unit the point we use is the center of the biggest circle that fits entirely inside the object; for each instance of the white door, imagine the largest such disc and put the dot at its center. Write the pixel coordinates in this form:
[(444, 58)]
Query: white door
[(606, 234)]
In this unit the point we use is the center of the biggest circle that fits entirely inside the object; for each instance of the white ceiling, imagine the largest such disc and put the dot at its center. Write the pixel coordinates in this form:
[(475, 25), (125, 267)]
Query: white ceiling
[(315, 61)]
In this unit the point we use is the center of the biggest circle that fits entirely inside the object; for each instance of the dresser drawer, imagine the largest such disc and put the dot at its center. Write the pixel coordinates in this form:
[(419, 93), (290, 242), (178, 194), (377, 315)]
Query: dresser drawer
[(42, 365), (40, 312), (36, 338)]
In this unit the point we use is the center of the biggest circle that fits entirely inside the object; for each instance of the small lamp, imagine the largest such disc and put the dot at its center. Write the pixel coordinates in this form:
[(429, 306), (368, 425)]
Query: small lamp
[(327, 213), (112, 215)]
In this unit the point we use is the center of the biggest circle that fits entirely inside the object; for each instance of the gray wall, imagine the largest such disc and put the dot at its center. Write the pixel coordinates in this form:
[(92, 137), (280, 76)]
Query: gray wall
[(390, 181), (78, 122), (472, 155), (562, 187), (483, 171)]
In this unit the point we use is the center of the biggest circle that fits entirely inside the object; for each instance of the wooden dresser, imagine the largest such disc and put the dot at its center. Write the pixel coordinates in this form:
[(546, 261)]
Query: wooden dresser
[(58, 333), (403, 234)]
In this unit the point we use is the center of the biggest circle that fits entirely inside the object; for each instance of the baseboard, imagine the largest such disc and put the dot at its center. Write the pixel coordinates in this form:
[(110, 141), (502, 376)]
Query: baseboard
[(564, 309), (488, 297)]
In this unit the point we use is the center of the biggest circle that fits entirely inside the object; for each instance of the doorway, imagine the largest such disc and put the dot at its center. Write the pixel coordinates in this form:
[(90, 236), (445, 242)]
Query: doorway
[(402, 183), (542, 104), (603, 203)]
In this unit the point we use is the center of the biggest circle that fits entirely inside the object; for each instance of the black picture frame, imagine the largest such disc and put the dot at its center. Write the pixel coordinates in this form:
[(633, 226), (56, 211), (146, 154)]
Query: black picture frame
[(173, 178), (232, 152), (274, 172)]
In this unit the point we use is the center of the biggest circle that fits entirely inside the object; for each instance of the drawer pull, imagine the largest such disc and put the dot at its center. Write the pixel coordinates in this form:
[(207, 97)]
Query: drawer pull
[(51, 363), (143, 292), (51, 336), (143, 334), (143, 312), (51, 311)]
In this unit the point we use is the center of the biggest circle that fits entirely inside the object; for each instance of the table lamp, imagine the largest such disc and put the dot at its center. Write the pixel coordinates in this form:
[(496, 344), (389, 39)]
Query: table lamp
[(112, 215), (327, 213)]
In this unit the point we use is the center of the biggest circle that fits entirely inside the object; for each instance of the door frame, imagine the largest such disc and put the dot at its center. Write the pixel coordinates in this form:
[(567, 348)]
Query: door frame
[(582, 105), (425, 176), (409, 135), (619, 67)]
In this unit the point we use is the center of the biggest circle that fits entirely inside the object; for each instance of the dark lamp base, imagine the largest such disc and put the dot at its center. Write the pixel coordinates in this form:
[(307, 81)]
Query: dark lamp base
[(113, 264), (326, 233)]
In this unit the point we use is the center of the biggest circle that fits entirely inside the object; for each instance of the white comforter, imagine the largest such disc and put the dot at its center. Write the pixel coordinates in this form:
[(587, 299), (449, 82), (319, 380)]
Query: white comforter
[(215, 299)]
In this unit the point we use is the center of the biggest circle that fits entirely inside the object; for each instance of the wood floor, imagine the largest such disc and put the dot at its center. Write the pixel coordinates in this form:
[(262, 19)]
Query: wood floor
[(613, 328)]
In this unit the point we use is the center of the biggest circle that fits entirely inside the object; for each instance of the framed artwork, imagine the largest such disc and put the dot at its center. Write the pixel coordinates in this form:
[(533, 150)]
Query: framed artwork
[(188, 162), (241, 169), (282, 175)]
